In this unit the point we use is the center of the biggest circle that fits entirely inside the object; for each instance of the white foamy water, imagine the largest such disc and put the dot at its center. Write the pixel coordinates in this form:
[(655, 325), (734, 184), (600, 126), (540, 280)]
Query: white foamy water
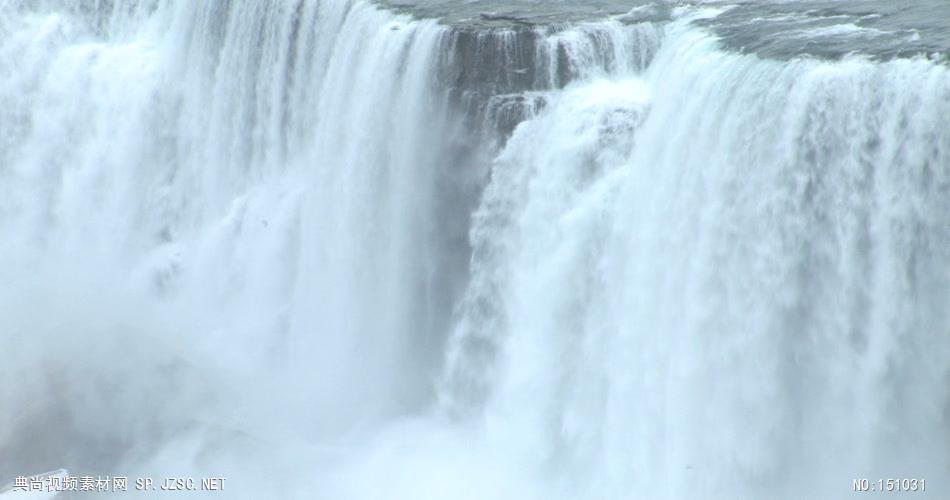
[(261, 240)]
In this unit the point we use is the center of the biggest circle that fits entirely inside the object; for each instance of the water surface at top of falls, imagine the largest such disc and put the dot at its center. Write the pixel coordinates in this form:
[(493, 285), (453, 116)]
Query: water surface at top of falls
[(502, 13), (883, 29), (779, 29)]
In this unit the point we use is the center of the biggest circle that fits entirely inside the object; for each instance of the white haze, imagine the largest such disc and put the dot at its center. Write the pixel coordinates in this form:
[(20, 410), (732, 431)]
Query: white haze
[(227, 248)]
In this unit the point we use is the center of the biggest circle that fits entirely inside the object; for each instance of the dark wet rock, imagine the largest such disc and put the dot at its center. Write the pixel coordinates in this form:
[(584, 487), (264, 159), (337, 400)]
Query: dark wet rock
[(501, 17)]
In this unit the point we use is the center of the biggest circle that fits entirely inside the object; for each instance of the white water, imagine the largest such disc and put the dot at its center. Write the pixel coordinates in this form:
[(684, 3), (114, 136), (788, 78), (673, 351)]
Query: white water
[(228, 247), (216, 222), (722, 277)]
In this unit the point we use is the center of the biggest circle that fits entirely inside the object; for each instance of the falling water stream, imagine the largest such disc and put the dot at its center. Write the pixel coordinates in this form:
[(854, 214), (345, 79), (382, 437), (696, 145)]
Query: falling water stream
[(337, 249)]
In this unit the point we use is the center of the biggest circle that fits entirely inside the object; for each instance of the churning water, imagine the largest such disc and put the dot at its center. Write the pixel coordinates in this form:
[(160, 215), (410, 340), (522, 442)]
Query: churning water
[(329, 250)]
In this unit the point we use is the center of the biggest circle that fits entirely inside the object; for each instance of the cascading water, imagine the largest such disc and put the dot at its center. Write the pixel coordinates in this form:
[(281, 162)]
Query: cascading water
[(727, 276), (330, 251)]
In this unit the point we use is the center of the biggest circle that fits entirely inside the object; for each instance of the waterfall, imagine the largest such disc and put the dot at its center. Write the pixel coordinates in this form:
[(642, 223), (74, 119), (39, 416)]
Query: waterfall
[(719, 276), (328, 249)]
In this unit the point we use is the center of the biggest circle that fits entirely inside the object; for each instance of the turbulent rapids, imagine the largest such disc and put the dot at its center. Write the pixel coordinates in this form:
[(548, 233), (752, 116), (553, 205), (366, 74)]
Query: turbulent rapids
[(439, 249)]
